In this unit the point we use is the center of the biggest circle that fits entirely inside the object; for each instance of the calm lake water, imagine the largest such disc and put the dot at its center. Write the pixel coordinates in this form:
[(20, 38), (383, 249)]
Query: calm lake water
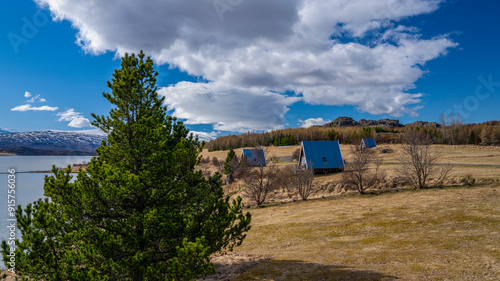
[(29, 186)]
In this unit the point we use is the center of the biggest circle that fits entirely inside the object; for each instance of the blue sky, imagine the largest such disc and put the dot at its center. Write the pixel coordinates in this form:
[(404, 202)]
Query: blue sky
[(254, 65)]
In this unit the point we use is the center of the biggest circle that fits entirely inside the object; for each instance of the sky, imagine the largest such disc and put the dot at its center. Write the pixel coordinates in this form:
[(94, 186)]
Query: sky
[(232, 66)]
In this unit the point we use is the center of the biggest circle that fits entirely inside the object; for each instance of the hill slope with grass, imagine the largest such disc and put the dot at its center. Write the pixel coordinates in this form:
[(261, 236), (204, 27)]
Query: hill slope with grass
[(440, 234)]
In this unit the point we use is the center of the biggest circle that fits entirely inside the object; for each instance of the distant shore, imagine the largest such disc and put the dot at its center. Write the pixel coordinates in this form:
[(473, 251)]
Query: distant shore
[(74, 169), (28, 151)]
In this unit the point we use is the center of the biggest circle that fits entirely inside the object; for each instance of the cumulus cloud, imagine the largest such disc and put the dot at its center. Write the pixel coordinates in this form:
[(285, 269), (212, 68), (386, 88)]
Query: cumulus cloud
[(313, 122), (205, 136), (330, 52), (28, 107), (227, 108), (27, 94), (76, 119)]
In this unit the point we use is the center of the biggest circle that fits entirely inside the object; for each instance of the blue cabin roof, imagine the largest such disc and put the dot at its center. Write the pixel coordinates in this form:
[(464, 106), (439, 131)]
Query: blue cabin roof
[(321, 155), (255, 157), (369, 143)]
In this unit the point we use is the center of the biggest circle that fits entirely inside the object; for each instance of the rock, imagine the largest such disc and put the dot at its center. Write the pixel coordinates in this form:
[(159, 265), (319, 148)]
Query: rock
[(342, 122), (389, 123), (364, 122)]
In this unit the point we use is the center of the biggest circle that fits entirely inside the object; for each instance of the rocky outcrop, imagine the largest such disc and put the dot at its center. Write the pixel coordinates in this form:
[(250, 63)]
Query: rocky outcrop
[(394, 123), (342, 122), (348, 121), (364, 122), (384, 123)]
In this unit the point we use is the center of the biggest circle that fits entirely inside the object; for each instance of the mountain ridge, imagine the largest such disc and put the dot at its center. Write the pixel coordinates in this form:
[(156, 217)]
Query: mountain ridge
[(344, 121), (50, 142)]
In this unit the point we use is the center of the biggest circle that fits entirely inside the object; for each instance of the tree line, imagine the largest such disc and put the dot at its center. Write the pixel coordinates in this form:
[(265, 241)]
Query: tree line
[(451, 133)]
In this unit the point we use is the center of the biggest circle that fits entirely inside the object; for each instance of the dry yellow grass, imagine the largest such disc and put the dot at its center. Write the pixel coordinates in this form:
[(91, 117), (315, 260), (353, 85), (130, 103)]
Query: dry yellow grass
[(457, 154), (441, 234), (467, 157)]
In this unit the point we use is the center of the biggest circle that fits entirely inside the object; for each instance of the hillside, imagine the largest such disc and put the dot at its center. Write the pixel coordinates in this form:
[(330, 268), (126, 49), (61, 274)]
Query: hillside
[(440, 234), (437, 234), (50, 143)]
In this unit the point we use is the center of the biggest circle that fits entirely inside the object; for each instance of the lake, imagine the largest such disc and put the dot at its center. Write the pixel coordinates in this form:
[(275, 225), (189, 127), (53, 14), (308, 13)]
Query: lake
[(28, 186)]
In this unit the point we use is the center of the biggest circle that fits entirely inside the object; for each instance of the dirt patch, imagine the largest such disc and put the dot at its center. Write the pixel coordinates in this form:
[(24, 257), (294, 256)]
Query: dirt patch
[(233, 264)]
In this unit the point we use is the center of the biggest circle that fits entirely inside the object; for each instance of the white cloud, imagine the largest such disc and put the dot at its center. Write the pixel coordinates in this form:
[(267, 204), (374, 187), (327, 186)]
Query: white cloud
[(313, 122), (331, 52), (228, 109), (79, 122), (28, 107), (204, 136), (34, 99), (76, 118)]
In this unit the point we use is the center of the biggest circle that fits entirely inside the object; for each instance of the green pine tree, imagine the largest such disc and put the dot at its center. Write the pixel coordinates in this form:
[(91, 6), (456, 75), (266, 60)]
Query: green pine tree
[(140, 211), (229, 158), (472, 138)]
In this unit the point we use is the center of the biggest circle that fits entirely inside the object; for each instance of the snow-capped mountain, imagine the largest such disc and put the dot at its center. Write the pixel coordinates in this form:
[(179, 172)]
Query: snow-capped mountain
[(91, 132), (6, 131), (51, 140)]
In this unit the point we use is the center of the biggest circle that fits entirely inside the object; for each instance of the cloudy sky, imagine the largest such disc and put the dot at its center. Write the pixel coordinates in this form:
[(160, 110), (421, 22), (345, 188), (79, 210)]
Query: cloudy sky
[(229, 66)]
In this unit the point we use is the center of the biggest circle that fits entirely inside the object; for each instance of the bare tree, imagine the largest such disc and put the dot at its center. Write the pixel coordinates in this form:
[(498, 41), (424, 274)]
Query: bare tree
[(204, 160), (218, 164), (358, 172), (451, 123), (261, 179), (296, 154), (285, 178), (260, 182), (240, 168), (419, 165), (290, 178)]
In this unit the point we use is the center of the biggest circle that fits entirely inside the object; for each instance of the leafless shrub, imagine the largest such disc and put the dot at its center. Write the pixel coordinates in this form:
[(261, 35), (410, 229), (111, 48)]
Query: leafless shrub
[(205, 160), (296, 154), (283, 178), (218, 164), (468, 179), (304, 182), (358, 173), (291, 178), (260, 182), (419, 164), (240, 167)]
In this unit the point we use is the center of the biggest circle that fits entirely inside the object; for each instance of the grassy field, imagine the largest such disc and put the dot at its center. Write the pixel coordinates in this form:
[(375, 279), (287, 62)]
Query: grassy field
[(465, 157), (440, 234)]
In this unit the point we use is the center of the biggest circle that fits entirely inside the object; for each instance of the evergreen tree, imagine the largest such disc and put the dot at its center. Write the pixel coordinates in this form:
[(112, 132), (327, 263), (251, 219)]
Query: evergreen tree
[(140, 211), (229, 158), (472, 137)]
